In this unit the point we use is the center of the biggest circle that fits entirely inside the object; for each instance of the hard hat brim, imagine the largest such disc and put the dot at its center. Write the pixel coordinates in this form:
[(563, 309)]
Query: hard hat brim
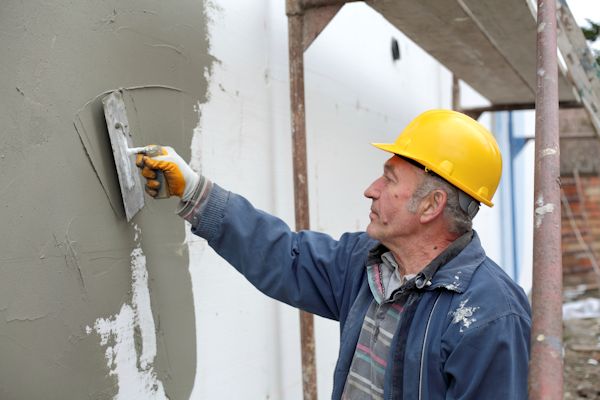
[(389, 147)]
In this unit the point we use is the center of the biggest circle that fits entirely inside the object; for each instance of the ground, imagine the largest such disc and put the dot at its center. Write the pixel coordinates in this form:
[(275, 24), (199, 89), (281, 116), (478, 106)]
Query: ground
[(581, 342)]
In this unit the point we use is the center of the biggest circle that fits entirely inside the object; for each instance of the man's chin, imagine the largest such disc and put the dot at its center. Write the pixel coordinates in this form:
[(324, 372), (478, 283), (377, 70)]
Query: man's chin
[(371, 231)]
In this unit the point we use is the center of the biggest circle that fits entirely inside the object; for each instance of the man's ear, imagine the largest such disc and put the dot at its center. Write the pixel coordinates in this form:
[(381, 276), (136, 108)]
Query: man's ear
[(432, 206)]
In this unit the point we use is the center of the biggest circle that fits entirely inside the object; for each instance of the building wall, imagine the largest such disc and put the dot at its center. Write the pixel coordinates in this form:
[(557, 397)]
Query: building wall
[(580, 182), (580, 224), (355, 94), (92, 306), (513, 230)]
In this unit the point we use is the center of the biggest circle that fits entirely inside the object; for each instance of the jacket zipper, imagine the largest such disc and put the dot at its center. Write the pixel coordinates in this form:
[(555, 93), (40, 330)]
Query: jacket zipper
[(423, 348)]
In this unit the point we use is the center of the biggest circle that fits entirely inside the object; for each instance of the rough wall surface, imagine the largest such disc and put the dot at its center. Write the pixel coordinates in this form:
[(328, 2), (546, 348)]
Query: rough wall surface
[(579, 169), (92, 306), (580, 223)]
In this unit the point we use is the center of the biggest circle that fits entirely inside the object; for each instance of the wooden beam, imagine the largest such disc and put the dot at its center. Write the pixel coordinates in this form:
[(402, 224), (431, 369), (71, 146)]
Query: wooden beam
[(315, 20), (489, 44), (583, 70), (475, 112), (449, 34), (510, 25)]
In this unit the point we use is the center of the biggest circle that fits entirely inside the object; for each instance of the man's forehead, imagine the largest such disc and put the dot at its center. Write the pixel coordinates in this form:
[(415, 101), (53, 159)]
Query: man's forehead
[(398, 165)]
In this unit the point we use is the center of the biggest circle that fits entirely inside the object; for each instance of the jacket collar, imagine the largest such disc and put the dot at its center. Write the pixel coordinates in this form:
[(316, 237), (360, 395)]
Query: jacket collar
[(452, 269)]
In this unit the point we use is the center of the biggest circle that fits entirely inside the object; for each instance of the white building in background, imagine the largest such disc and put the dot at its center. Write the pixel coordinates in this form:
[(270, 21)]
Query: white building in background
[(248, 346)]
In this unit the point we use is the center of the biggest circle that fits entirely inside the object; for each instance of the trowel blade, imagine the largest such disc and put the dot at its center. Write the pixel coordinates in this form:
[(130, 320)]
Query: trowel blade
[(120, 139)]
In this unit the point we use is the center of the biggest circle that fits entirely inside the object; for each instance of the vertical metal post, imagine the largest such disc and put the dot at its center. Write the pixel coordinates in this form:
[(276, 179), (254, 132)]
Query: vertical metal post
[(455, 93), (546, 366), (298, 119)]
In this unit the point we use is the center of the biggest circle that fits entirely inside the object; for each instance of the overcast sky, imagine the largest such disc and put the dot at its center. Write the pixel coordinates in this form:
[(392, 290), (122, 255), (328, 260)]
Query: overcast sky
[(583, 9), (586, 9)]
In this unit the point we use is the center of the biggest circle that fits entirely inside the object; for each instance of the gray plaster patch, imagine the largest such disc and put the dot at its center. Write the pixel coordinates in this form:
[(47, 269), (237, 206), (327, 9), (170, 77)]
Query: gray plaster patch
[(66, 250), (90, 125)]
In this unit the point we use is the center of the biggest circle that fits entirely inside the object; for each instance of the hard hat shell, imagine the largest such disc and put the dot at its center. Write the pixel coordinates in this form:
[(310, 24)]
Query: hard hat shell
[(454, 146)]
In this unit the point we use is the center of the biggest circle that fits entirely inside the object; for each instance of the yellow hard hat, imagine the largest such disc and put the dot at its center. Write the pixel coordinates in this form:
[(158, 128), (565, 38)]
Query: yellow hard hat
[(455, 147)]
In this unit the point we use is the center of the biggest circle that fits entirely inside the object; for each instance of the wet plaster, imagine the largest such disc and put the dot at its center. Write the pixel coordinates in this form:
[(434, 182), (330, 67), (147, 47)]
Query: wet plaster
[(68, 259)]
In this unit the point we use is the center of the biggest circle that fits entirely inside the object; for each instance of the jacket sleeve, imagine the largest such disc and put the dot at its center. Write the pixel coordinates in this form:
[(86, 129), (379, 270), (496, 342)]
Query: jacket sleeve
[(308, 270), (490, 361)]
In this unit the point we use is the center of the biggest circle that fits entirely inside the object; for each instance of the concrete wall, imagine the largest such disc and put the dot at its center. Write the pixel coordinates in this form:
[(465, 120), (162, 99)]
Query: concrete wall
[(94, 307)]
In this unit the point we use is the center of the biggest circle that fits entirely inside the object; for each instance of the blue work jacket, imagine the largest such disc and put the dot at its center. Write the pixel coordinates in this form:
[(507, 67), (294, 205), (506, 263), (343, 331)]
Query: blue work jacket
[(468, 338)]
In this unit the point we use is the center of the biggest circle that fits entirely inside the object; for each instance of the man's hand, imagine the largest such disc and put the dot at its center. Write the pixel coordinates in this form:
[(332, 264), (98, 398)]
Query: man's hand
[(180, 179)]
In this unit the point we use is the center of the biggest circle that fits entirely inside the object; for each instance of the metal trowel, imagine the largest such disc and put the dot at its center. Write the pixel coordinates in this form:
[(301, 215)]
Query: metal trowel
[(132, 190)]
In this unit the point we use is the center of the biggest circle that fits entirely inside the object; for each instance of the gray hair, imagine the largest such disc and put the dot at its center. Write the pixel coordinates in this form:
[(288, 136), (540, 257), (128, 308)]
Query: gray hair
[(459, 221)]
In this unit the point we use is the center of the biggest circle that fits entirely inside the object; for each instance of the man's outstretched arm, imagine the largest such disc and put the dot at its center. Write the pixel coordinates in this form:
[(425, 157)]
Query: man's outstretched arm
[(308, 270)]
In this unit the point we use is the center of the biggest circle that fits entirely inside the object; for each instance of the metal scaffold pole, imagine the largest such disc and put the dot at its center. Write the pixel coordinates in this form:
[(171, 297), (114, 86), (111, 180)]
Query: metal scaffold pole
[(306, 19), (296, 49), (546, 365)]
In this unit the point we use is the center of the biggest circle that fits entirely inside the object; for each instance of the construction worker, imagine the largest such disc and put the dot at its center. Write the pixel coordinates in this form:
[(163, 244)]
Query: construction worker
[(424, 313)]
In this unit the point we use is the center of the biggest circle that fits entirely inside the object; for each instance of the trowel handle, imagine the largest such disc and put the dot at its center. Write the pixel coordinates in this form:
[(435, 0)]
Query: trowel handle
[(154, 151), (163, 190)]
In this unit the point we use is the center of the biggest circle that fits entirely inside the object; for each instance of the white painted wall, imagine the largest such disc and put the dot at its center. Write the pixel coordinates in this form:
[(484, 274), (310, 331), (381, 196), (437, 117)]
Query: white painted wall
[(248, 345), (524, 127)]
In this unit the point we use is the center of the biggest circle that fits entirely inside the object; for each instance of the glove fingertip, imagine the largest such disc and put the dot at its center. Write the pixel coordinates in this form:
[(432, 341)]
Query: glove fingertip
[(153, 184), (148, 173), (149, 162), (151, 192), (139, 160)]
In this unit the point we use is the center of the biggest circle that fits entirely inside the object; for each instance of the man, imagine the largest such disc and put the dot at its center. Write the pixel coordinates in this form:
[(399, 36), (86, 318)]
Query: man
[(424, 314)]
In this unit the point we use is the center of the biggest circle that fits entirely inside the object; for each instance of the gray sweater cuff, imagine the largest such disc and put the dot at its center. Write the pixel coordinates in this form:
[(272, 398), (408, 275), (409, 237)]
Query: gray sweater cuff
[(205, 210), (188, 209)]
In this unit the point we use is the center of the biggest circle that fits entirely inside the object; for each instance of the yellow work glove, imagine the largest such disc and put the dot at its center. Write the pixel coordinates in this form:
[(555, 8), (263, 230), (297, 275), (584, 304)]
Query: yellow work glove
[(181, 180)]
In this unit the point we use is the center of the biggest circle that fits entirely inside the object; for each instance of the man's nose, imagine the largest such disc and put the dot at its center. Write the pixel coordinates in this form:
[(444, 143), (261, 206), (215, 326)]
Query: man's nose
[(372, 191)]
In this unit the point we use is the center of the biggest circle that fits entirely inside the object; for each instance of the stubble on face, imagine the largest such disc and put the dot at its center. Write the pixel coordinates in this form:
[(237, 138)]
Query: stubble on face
[(391, 194)]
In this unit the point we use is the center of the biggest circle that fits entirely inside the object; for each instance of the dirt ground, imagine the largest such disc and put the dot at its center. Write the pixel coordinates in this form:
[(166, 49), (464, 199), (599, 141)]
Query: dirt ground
[(581, 343)]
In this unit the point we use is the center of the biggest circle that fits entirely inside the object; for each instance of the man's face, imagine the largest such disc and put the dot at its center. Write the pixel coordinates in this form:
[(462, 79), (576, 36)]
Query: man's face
[(391, 194)]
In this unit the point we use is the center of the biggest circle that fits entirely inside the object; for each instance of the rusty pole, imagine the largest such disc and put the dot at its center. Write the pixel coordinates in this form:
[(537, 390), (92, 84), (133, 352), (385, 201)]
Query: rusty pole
[(306, 19), (546, 365), (298, 120)]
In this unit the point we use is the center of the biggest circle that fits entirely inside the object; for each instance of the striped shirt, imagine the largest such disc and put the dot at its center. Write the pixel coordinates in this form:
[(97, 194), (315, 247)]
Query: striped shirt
[(367, 371)]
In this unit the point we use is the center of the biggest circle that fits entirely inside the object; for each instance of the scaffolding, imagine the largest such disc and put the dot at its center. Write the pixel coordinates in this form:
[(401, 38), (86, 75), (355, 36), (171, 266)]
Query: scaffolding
[(529, 79)]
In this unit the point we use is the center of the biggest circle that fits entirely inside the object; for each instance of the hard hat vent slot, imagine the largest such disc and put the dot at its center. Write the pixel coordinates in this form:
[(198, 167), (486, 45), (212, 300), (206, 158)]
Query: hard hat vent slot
[(447, 167)]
